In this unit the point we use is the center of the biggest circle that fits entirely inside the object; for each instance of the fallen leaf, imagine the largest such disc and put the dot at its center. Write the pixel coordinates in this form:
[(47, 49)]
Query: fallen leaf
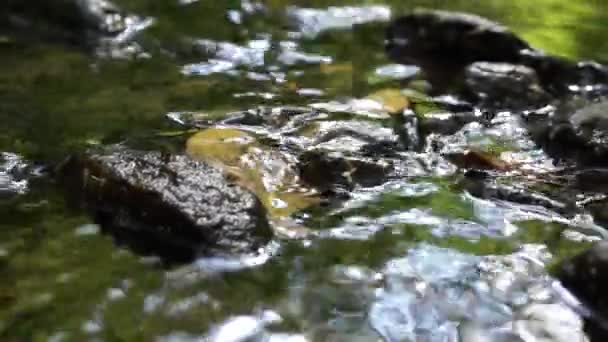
[(392, 100), (475, 159)]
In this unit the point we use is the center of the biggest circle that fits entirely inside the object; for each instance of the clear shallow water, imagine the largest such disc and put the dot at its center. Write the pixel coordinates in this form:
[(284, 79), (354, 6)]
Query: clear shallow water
[(413, 259)]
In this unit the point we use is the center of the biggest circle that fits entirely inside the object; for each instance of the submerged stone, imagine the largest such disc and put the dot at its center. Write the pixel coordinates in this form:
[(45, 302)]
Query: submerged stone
[(172, 202), (586, 276), (332, 171)]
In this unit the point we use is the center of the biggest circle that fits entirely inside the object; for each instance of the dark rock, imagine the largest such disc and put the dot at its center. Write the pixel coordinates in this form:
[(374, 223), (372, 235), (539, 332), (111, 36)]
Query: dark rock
[(594, 180), (445, 123), (180, 204), (586, 276), (599, 210), (503, 85), (561, 76), (329, 171), (483, 185), (578, 135), (77, 22), (451, 38), (443, 43), (354, 136)]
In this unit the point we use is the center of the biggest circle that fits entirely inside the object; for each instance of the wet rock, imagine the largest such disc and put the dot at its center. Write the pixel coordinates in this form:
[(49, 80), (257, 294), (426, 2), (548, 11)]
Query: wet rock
[(360, 137), (172, 202), (345, 154), (451, 38), (443, 43), (445, 122), (591, 179), (560, 76), (579, 135), (502, 85), (334, 171), (484, 185), (76, 22), (599, 210), (586, 275)]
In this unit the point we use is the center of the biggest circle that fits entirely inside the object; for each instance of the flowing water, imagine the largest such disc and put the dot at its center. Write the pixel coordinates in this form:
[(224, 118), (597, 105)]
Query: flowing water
[(414, 259)]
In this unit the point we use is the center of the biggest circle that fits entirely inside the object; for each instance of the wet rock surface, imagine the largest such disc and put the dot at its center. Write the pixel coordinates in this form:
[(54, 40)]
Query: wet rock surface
[(468, 38), (502, 85), (444, 43), (585, 275), (96, 25), (578, 134), (183, 205)]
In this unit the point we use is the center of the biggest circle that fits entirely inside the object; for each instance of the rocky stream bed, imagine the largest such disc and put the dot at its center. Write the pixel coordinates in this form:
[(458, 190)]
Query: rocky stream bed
[(338, 173)]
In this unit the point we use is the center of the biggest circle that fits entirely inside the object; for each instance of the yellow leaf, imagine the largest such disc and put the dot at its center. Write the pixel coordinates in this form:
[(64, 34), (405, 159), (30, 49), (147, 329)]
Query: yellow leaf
[(244, 163), (392, 100), (225, 145)]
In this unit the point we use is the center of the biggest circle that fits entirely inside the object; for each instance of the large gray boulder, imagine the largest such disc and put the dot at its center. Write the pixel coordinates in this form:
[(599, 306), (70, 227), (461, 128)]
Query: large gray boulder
[(176, 203)]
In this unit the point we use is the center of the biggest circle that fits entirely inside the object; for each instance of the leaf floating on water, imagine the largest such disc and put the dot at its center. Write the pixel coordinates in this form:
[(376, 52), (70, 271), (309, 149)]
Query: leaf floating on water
[(266, 173), (392, 100), (226, 145), (475, 159)]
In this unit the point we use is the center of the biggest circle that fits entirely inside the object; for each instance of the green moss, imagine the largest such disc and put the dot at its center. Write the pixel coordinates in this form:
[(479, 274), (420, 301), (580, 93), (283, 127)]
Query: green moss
[(56, 99)]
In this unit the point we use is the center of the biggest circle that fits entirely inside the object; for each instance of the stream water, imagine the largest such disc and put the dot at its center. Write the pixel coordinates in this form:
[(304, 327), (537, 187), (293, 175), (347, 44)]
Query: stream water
[(413, 259)]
